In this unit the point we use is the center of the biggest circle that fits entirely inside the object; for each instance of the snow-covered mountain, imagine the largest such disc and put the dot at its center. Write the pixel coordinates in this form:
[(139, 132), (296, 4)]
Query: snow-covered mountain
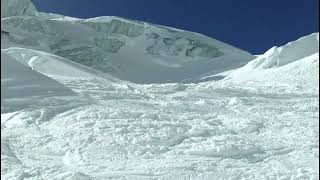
[(85, 99), (130, 50)]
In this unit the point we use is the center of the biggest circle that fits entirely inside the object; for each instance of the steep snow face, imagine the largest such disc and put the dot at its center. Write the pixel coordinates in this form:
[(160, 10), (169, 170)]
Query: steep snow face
[(17, 8), (295, 65), (20, 84), (129, 50), (293, 51)]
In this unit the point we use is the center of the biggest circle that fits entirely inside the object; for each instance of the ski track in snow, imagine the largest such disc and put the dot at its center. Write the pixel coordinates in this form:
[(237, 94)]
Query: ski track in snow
[(164, 132)]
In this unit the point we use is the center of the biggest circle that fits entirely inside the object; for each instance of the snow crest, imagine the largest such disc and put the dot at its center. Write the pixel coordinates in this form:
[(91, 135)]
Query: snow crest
[(294, 65)]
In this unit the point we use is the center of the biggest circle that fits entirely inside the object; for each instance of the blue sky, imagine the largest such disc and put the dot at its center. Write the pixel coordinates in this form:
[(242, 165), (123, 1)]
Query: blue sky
[(253, 25)]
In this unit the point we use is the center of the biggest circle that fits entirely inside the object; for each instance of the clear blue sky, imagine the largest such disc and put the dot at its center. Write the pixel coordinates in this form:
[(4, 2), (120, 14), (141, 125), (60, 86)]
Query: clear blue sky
[(253, 25)]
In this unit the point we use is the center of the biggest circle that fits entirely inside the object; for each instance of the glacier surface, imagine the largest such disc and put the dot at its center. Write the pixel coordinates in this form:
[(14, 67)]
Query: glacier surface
[(130, 50)]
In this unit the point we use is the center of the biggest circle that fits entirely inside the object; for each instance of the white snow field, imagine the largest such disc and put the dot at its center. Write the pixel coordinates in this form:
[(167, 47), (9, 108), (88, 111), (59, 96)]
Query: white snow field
[(90, 100)]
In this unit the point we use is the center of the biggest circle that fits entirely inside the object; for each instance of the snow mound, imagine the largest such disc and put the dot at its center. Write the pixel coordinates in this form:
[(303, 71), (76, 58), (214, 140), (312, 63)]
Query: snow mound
[(17, 8), (294, 65)]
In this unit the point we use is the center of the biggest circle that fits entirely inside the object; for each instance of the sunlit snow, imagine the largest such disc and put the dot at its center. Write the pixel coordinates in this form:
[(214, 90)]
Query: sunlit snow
[(87, 99)]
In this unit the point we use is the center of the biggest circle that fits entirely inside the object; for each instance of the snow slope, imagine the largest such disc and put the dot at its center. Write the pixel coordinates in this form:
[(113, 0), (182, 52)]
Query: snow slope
[(53, 66), (19, 84), (294, 65), (63, 120), (130, 50), (29, 75), (163, 131)]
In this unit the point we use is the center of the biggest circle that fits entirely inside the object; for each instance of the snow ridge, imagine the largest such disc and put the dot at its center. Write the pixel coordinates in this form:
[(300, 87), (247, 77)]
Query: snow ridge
[(294, 65)]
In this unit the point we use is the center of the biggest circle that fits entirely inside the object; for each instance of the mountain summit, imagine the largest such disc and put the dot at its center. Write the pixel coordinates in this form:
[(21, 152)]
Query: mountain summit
[(129, 50)]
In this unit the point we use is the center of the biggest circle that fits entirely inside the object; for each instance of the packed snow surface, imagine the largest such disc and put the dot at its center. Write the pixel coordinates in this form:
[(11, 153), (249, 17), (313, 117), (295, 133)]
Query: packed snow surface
[(65, 116)]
